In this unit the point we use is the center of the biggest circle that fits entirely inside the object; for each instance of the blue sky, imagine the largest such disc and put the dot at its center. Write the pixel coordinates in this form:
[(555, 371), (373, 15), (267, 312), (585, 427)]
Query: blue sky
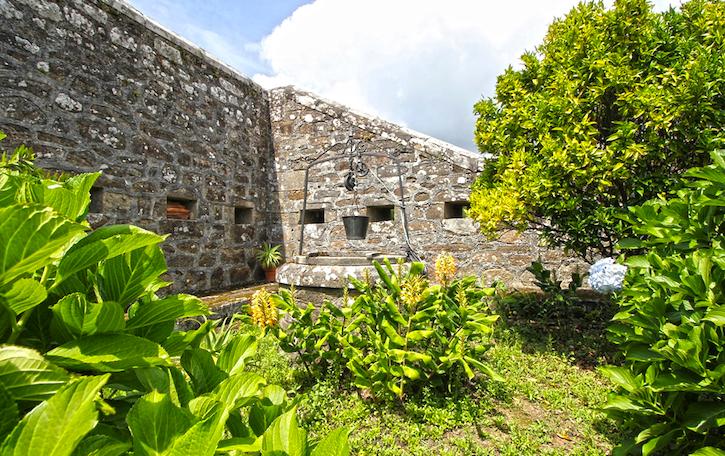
[(229, 29), (420, 63)]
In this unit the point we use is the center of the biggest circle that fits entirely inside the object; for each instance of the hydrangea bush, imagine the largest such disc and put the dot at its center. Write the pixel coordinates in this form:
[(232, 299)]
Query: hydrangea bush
[(606, 276), (671, 324)]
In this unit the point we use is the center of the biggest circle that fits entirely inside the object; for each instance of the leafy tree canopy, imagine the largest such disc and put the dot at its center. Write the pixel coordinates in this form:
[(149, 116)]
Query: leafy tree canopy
[(607, 113)]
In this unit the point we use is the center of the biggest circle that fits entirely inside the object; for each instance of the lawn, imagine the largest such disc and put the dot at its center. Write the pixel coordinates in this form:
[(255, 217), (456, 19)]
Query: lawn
[(548, 403)]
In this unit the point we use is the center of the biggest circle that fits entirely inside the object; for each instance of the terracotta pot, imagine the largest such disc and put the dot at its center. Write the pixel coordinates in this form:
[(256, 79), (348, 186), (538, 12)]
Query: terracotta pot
[(271, 274)]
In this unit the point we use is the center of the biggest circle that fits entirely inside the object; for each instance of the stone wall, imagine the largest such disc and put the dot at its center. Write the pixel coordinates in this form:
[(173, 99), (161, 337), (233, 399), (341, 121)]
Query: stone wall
[(92, 84), (437, 178)]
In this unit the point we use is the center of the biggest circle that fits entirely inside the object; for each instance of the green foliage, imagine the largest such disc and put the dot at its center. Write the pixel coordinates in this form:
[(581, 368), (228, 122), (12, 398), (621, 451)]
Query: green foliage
[(606, 114), (90, 361), (671, 325), (397, 333), (313, 335), (556, 300), (269, 256), (545, 399)]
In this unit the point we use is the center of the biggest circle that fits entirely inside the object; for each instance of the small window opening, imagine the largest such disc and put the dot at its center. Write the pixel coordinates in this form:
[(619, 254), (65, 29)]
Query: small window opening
[(314, 216), (455, 209), (243, 215), (381, 213), (96, 206), (180, 208)]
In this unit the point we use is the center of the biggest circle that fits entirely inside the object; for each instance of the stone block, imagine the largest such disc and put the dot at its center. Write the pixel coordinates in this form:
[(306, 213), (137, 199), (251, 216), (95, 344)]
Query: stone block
[(117, 203)]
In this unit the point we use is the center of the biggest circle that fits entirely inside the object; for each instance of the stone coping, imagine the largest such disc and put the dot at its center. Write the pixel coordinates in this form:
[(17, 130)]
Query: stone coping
[(217, 300), (319, 276), (345, 260)]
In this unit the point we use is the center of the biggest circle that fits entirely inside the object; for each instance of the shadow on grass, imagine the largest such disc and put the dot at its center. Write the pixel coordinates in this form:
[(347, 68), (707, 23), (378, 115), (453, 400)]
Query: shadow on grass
[(577, 330)]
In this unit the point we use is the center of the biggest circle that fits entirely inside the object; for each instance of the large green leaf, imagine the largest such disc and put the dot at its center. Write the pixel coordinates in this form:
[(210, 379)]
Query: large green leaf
[(158, 332), (335, 444), (485, 368), (203, 437), (8, 189), (101, 445), (109, 353), (708, 451), (159, 379), (200, 367), (392, 334), (178, 341), (658, 443), (154, 422), (56, 426), (104, 243), (167, 309), (69, 198), (27, 376), (239, 390), (284, 437), (716, 315), (22, 295), (264, 412), (241, 444), (702, 415), (622, 376), (235, 353), (385, 277), (9, 413), (74, 316), (125, 278), (30, 238)]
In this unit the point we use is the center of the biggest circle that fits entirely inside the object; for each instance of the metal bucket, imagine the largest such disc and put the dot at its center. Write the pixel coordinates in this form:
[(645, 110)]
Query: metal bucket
[(356, 226)]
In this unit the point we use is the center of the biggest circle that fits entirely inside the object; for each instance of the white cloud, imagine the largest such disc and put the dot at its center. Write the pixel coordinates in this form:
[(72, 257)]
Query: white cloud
[(422, 63)]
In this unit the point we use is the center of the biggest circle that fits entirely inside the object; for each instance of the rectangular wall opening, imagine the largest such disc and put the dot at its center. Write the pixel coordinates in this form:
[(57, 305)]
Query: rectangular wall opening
[(313, 216), (96, 206), (381, 213), (180, 208), (243, 215), (455, 209)]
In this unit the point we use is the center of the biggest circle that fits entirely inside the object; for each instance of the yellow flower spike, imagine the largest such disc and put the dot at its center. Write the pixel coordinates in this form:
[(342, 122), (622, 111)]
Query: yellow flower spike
[(411, 291), (445, 269), (262, 309), (461, 297)]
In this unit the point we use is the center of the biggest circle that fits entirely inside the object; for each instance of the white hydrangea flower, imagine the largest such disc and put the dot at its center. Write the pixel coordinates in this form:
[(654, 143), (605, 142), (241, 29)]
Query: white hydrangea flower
[(606, 276)]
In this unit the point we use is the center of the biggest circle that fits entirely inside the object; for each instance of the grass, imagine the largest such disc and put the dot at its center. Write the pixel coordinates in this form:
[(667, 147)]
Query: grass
[(548, 404)]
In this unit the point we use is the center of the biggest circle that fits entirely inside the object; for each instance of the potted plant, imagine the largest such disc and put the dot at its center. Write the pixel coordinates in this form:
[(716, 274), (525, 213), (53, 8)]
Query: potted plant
[(269, 258)]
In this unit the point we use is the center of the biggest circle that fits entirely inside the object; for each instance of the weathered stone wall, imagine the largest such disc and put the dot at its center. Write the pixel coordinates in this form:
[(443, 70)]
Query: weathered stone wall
[(434, 173), (92, 84)]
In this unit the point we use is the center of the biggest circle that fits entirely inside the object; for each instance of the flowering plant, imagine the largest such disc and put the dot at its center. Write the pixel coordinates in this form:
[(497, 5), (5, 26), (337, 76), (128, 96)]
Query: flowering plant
[(263, 309), (605, 276)]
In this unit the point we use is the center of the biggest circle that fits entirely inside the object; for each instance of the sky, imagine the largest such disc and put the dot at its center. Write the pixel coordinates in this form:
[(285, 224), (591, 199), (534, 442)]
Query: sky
[(420, 63)]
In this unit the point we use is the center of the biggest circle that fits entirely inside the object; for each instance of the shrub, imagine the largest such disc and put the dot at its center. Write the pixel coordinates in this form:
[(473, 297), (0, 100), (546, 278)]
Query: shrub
[(78, 376), (607, 113), (671, 324), (398, 333)]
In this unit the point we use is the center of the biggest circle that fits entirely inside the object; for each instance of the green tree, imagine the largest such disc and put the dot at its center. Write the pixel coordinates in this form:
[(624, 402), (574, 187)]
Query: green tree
[(607, 113)]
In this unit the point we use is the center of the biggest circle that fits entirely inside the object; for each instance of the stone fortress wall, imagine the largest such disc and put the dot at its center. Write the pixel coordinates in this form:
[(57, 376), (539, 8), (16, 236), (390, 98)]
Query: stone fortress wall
[(437, 179), (93, 84)]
